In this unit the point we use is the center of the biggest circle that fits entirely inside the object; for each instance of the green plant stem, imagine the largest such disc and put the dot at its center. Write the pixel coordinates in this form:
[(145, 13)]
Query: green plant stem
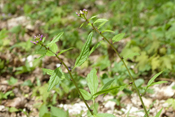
[(131, 18), (71, 78), (123, 63)]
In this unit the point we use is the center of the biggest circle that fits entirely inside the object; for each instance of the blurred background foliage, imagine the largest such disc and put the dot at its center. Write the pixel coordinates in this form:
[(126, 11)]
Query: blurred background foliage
[(149, 26)]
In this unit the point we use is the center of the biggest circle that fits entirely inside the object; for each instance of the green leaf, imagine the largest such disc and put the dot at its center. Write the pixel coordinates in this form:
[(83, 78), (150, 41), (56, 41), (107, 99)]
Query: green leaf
[(27, 83), (105, 91), (107, 31), (171, 102), (102, 24), (131, 55), (47, 115), (92, 81), (43, 110), (100, 20), (173, 87), (94, 47), (55, 78), (84, 52), (12, 81), (118, 37), (13, 109), (153, 78), (155, 62), (160, 82), (107, 84), (89, 24), (81, 25), (102, 62), (86, 95), (6, 94), (139, 82), (65, 87), (41, 50), (58, 112), (143, 62), (42, 56), (158, 114), (54, 49), (62, 51), (55, 39), (48, 71), (103, 115), (43, 39), (92, 17)]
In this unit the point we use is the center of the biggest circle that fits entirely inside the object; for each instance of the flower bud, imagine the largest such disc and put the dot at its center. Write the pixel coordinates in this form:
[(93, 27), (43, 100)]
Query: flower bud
[(38, 39), (78, 14), (81, 12), (85, 12)]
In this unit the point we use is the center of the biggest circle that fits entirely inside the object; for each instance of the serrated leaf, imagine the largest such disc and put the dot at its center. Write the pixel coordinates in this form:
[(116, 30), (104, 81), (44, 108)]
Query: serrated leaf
[(62, 51), (55, 78), (143, 63), (100, 20), (118, 37), (107, 31), (92, 17), (94, 47), (92, 81), (84, 52), (55, 39), (155, 63), (48, 71), (158, 114), (86, 95), (153, 78)]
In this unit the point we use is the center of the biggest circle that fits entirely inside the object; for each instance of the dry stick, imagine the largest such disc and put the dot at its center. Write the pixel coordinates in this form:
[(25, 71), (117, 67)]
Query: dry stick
[(123, 63), (71, 78)]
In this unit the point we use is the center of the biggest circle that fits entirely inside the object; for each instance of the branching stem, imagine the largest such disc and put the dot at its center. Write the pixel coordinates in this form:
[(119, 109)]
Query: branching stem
[(123, 63), (70, 76)]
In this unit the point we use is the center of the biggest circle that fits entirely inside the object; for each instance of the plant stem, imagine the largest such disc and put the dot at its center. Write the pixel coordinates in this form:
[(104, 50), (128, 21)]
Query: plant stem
[(131, 18), (123, 63), (71, 78)]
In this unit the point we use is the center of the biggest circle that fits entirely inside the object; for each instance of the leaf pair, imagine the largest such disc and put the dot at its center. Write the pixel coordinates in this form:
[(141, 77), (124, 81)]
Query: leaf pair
[(53, 47), (151, 81), (92, 81)]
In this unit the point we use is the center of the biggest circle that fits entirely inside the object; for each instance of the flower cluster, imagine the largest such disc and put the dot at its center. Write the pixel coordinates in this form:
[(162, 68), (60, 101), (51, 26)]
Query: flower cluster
[(38, 39), (82, 13)]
